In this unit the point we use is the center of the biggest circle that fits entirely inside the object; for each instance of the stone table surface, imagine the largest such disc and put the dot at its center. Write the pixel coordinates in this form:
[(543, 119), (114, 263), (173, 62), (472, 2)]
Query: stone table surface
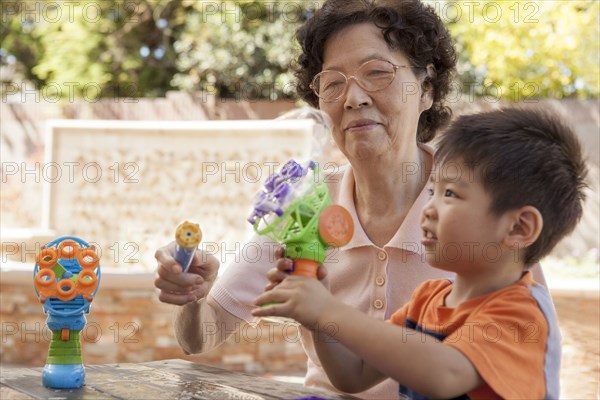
[(167, 379)]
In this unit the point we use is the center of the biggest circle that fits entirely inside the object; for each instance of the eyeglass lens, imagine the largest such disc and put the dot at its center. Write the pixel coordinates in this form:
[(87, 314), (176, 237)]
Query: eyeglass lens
[(371, 76)]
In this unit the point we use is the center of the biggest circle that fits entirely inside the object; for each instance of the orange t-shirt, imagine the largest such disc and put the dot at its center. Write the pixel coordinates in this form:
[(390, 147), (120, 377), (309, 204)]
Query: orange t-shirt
[(511, 336)]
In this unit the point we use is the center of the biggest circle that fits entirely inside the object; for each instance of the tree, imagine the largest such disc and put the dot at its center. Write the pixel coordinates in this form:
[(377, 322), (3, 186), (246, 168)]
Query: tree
[(520, 50), (510, 49), (95, 49), (241, 49)]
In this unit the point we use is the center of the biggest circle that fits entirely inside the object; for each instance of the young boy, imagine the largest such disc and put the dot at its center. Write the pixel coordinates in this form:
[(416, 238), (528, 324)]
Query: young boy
[(508, 185)]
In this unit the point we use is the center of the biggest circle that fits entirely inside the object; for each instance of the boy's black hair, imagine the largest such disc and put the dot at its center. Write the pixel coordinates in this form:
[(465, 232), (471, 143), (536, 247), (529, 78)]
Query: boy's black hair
[(523, 157)]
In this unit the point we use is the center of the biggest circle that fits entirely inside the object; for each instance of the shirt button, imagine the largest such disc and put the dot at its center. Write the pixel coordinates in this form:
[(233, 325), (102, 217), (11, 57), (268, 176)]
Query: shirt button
[(380, 280), (382, 255), (378, 304)]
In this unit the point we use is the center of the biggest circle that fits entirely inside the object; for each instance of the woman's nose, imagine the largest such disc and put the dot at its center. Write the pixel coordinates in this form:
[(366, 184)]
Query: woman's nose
[(355, 96)]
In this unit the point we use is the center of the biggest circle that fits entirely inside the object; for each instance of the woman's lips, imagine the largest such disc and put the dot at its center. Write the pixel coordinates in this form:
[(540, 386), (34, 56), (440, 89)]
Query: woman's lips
[(361, 124)]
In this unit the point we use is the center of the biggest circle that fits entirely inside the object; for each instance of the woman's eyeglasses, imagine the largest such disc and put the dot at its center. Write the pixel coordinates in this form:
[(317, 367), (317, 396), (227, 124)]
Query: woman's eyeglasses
[(371, 76)]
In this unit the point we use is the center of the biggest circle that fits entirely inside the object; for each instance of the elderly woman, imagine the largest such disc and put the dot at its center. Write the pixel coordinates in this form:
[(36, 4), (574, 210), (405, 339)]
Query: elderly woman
[(380, 70)]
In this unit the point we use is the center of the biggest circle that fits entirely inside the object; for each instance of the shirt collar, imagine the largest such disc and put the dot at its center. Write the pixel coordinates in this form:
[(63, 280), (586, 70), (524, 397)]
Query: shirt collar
[(408, 236)]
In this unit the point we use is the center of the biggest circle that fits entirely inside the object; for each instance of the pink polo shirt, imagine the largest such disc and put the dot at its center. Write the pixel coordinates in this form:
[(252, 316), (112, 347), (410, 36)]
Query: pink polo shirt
[(374, 280)]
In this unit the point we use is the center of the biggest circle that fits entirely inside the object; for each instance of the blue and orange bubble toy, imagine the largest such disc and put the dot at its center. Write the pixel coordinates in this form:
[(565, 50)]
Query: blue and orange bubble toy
[(66, 278)]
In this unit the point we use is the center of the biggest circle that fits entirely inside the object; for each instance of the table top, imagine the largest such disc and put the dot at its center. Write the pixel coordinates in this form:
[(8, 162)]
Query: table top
[(168, 379)]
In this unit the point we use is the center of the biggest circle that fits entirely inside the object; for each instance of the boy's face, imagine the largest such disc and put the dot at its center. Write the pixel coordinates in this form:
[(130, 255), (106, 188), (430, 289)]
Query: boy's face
[(460, 233)]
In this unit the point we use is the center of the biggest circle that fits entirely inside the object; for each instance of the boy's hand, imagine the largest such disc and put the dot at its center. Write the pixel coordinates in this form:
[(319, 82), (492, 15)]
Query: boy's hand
[(283, 267), (300, 298)]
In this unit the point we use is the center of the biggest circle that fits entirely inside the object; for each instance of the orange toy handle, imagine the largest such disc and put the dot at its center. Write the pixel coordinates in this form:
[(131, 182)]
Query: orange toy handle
[(305, 267)]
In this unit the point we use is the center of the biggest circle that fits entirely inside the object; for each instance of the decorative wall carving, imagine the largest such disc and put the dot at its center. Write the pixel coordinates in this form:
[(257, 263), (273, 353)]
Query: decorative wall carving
[(127, 185)]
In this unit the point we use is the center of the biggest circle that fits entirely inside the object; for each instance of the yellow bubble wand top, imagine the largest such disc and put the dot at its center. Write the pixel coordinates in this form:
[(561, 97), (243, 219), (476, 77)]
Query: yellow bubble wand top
[(188, 236)]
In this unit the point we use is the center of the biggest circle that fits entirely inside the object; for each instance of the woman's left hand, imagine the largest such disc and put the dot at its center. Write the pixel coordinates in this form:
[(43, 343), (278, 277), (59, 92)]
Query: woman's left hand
[(283, 267)]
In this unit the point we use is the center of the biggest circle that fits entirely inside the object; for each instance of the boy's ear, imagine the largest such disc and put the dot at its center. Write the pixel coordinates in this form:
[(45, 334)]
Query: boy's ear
[(526, 226)]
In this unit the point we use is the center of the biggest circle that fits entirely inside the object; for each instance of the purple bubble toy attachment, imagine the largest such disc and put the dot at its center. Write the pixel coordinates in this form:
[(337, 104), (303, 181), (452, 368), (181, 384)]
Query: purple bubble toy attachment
[(280, 189)]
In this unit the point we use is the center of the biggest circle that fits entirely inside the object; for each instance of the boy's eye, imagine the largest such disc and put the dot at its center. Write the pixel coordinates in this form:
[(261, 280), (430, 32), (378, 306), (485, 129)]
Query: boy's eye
[(430, 191), (449, 193)]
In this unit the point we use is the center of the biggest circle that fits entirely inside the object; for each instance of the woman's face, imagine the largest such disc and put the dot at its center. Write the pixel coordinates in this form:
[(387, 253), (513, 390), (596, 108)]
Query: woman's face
[(371, 124)]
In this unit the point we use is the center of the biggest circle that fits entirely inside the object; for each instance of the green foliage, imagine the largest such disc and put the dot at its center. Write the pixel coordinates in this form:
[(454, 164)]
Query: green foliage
[(520, 50), (20, 44), (93, 48), (244, 49)]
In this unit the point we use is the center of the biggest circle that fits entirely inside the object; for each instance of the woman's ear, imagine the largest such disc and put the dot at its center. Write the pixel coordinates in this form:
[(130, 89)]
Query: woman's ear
[(427, 88), (526, 226)]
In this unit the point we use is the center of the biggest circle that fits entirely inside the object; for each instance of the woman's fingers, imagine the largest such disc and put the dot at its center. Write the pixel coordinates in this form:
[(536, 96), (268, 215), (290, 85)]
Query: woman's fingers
[(164, 257), (285, 264), (176, 299), (177, 287), (206, 265), (274, 309), (174, 286), (282, 268), (279, 252), (179, 279), (276, 275), (321, 273), (183, 289)]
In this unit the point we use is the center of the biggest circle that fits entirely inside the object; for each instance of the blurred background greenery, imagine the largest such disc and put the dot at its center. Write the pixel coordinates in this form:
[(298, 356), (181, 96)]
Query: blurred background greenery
[(513, 50)]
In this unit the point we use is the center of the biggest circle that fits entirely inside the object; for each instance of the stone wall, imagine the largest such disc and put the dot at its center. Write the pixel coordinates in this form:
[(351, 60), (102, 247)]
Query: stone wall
[(127, 323)]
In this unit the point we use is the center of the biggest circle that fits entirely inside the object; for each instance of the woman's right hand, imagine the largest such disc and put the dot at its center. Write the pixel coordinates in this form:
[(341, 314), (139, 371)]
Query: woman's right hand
[(179, 288), (283, 267)]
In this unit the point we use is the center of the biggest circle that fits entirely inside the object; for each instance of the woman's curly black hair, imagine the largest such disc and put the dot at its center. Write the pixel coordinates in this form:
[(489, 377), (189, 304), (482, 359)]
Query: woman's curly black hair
[(407, 25)]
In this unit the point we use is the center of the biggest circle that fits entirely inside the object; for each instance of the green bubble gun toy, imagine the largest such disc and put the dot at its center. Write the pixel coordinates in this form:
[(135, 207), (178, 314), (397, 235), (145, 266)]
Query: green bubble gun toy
[(294, 208), (66, 278)]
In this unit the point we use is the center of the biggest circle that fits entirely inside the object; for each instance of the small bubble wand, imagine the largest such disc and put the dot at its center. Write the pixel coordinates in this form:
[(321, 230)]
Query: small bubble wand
[(188, 236)]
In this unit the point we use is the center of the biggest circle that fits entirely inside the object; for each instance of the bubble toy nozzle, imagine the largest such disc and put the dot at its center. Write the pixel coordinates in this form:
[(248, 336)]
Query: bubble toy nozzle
[(294, 208), (66, 279), (188, 236)]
